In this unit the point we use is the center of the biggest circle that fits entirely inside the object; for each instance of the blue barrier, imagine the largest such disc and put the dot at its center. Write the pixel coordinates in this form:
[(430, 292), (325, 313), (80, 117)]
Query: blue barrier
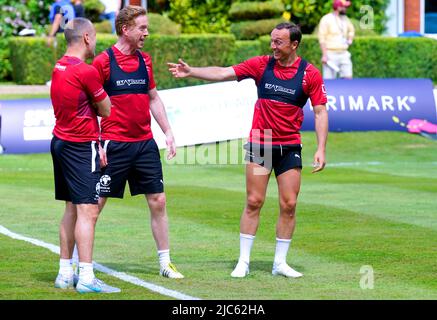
[(353, 105), (376, 104)]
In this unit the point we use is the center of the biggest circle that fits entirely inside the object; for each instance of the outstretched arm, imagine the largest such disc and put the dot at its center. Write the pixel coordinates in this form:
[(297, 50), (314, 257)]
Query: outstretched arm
[(321, 127), (183, 70)]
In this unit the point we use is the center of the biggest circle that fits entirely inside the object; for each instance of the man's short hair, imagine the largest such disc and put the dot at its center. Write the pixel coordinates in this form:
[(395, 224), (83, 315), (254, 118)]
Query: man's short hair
[(127, 16), (295, 32), (75, 29)]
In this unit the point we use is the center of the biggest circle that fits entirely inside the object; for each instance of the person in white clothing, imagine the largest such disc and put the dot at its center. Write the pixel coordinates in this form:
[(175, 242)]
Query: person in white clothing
[(112, 7), (336, 33)]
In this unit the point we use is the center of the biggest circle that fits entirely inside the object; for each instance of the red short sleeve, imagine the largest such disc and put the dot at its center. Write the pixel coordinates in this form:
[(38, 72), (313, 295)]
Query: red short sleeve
[(314, 86), (92, 84), (252, 68)]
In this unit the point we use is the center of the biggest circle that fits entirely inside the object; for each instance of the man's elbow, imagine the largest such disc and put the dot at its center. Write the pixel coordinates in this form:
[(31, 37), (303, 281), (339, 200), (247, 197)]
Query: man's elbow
[(105, 112)]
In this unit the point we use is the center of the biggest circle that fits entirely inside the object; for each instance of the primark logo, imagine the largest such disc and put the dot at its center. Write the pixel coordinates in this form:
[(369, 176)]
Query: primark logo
[(130, 82), (371, 103), (277, 88)]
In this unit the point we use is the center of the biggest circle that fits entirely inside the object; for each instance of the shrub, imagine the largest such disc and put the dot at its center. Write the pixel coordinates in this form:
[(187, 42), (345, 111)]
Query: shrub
[(241, 11), (373, 57), (103, 26), (93, 9), (33, 61), (159, 24), (244, 50), (201, 16), (249, 30), (378, 57)]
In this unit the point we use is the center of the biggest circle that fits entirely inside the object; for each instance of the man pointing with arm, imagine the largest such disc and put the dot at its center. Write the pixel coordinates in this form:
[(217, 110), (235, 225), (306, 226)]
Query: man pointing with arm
[(285, 82)]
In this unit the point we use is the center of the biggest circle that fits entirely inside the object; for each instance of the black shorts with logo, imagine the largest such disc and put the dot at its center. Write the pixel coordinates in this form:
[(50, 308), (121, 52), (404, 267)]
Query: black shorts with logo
[(281, 158), (77, 171), (139, 163)]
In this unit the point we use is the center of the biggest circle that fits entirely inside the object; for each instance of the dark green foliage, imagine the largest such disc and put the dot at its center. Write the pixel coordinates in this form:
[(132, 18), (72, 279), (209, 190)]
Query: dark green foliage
[(196, 50), (201, 16), (250, 30), (93, 9), (373, 57), (5, 63), (103, 26), (159, 24), (241, 11), (33, 61), (245, 50), (379, 57)]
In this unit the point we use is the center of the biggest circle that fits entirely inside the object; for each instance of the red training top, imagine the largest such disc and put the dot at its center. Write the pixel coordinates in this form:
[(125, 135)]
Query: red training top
[(75, 86), (285, 120), (130, 113)]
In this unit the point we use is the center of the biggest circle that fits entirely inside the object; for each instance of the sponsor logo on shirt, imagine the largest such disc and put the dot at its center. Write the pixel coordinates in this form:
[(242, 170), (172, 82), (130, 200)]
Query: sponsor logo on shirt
[(60, 67), (277, 88), (130, 82)]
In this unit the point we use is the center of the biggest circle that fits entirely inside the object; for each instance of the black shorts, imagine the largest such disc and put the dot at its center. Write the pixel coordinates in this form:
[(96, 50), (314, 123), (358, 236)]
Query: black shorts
[(281, 158), (77, 171), (137, 162)]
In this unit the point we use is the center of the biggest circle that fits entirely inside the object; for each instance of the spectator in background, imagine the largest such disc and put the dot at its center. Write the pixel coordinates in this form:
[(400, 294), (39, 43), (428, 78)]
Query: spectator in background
[(79, 10), (61, 12), (336, 33), (112, 7)]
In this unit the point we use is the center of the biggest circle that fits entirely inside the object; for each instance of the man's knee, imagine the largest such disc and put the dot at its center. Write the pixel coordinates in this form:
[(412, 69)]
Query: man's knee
[(254, 202), (89, 211), (157, 200), (288, 206)]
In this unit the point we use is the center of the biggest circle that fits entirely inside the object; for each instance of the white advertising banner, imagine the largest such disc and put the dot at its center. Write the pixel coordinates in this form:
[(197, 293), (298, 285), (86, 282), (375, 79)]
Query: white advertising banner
[(208, 113)]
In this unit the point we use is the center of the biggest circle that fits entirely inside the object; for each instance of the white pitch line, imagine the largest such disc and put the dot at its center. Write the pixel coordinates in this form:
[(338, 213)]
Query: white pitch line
[(120, 275)]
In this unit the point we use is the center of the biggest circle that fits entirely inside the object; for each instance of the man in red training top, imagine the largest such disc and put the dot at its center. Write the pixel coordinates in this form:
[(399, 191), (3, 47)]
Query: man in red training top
[(78, 97), (285, 82), (132, 152)]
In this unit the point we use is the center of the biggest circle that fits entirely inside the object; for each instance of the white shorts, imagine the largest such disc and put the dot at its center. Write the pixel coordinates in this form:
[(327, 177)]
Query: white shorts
[(339, 63)]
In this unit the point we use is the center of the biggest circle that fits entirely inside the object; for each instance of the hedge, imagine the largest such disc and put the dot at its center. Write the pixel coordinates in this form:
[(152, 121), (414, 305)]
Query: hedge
[(378, 57), (33, 61), (5, 63), (240, 11), (245, 50), (373, 57), (250, 30)]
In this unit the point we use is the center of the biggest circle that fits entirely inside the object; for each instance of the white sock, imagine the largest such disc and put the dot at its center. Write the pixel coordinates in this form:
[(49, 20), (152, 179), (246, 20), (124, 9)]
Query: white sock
[(246, 242), (164, 257), (75, 261), (282, 246), (86, 272), (65, 267)]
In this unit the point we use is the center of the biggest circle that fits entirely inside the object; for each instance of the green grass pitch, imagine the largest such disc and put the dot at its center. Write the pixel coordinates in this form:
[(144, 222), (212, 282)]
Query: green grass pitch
[(374, 205)]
